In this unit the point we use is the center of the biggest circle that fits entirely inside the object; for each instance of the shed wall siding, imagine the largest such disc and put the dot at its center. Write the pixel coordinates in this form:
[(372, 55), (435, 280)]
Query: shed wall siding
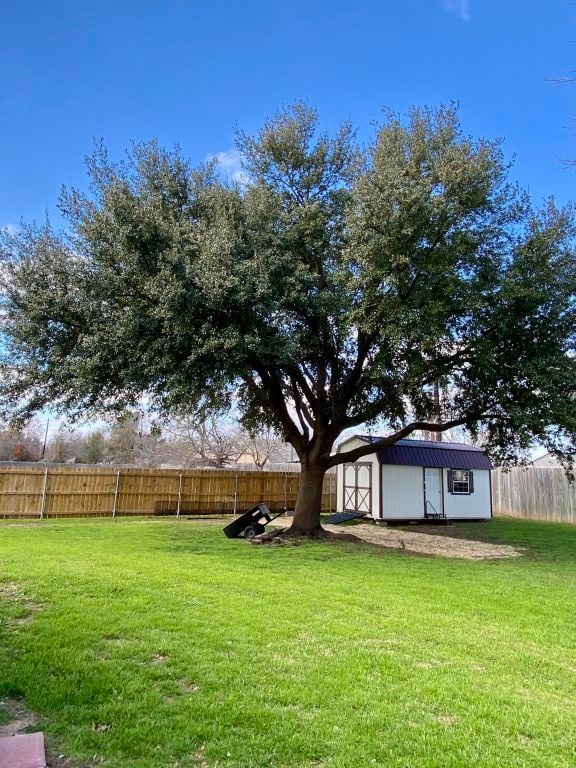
[(373, 459), (339, 488), (476, 505), (402, 492)]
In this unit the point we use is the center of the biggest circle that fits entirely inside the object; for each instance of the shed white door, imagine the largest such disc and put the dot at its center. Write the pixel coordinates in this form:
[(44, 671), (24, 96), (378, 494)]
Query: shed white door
[(358, 487), (433, 491)]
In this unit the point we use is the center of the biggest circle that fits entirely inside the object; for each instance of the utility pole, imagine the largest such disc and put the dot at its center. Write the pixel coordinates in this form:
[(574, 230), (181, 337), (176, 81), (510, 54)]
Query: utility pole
[(437, 413), (45, 439)]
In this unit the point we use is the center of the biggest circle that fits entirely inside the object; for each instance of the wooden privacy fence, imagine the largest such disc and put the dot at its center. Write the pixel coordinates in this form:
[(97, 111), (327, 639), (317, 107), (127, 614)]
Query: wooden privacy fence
[(534, 493), (58, 491)]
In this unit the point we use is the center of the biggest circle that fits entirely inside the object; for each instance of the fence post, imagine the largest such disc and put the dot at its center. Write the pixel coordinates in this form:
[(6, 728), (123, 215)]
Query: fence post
[(116, 494), (43, 499), (179, 496), (235, 493)]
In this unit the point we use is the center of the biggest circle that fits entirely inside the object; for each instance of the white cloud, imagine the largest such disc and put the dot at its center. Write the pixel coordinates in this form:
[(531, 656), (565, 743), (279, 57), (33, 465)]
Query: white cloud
[(231, 165), (460, 7)]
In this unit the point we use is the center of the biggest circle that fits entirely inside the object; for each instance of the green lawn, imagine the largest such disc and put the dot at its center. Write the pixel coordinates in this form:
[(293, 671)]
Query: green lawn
[(162, 644)]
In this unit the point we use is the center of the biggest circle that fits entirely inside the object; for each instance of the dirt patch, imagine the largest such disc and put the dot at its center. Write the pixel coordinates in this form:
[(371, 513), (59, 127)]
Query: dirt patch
[(186, 686), (429, 544), (55, 760), (451, 530), (11, 593), (279, 537), (17, 719)]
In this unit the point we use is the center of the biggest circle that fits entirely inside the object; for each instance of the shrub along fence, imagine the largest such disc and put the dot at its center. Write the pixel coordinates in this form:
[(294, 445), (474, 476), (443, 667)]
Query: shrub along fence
[(534, 493), (70, 491)]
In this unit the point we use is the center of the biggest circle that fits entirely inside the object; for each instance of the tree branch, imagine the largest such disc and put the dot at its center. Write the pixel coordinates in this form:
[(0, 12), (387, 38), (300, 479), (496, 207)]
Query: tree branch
[(276, 401), (430, 426), (348, 387), (298, 376), (304, 416)]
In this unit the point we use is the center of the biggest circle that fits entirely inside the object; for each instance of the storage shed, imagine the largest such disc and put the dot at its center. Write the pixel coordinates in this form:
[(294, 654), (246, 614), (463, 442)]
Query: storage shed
[(416, 480)]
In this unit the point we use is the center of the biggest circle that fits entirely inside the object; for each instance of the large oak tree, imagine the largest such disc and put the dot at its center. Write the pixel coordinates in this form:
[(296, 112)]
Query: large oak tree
[(336, 285)]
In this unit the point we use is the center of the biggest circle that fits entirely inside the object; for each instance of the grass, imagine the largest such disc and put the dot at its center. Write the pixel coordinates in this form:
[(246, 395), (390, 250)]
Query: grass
[(161, 644)]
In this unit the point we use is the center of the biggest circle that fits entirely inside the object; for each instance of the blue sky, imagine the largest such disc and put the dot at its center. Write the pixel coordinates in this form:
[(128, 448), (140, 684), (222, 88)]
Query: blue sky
[(188, 71)]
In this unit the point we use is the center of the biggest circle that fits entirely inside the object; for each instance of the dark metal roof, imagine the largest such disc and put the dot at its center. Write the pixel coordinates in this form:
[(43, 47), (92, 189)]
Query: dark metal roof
[(423, 453)]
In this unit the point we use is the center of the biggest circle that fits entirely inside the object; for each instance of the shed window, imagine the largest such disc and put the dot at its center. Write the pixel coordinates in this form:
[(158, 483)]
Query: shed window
[(461, 482)]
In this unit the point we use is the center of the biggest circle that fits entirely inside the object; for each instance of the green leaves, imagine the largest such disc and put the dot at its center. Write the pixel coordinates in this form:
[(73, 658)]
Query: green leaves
[(335, 286)]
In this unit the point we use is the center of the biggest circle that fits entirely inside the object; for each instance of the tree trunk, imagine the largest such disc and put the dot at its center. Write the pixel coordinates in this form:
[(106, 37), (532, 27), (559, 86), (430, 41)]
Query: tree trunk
[(306, 521)]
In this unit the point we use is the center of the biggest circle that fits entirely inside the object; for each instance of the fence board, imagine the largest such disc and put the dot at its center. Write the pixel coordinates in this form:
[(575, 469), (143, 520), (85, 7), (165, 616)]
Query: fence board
[(534, 493), (97, 491)]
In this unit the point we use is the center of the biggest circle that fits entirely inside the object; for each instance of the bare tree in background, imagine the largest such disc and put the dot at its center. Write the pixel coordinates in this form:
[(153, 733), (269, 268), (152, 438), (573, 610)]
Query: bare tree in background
[(207, 442), (259, 449), (65, 447), (134, 439)]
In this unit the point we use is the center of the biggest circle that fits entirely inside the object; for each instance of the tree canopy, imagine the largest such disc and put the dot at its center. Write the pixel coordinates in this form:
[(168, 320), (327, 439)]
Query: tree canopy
[(337, 285)]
